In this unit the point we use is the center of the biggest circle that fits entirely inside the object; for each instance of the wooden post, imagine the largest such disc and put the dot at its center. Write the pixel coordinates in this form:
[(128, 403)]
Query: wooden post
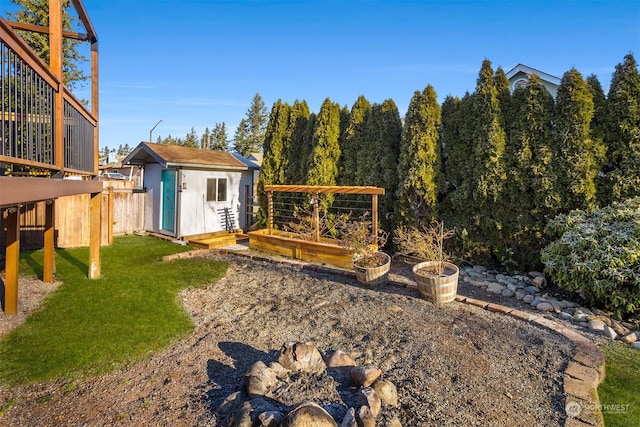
[(95, 231), (316, 218), (110, 215), (270, 209), (374, 217), (55, 63), (49, 266), (12, 261)]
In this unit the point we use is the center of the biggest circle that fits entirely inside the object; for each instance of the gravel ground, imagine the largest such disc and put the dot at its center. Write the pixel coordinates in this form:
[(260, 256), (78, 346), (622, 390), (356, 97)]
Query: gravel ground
[(452, 365)]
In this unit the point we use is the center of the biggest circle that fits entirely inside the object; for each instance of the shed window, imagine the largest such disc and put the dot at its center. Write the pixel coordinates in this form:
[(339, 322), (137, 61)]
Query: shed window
[(216, 189)]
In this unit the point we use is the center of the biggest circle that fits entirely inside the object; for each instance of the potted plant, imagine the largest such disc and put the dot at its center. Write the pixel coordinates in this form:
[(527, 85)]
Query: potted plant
[(370, 264), (437, 279)]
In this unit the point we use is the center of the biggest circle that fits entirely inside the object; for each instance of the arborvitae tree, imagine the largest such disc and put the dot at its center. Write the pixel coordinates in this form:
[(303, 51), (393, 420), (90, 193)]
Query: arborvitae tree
[(352, 141), (323, 166), (257, 118), (578, 156), (481, 191), (419, 169), (455, 154), (531, 187), (37, 12), (241, 139), (622, 137), (298, 122), (272, 171), (306, 148), (219, 139), (599, 107), (504, 97), (377, 160)]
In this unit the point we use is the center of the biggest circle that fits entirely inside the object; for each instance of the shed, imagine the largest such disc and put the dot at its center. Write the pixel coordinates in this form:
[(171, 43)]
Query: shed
[(190, 191)]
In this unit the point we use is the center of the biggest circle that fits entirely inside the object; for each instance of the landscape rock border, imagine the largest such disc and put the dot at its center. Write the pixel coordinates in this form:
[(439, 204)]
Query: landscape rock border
[(581, 377)]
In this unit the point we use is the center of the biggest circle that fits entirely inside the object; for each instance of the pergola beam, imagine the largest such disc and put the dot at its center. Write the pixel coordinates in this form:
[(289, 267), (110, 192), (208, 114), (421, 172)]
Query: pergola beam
[(324, 189)]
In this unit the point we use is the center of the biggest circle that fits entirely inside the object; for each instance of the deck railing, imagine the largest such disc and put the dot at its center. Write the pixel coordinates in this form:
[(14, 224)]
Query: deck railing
[(28, 114)]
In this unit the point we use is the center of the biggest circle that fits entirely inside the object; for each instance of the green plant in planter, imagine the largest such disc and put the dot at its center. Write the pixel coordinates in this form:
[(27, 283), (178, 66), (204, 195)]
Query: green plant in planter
[(425, 244), (597, 255), (357, 236)]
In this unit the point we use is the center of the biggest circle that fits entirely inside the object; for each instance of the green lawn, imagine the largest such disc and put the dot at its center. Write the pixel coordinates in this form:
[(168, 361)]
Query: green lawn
[(87, 327), (620, 391)]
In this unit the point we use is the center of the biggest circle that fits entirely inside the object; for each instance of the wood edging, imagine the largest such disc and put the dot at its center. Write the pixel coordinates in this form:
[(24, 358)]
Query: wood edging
[(583, 374)]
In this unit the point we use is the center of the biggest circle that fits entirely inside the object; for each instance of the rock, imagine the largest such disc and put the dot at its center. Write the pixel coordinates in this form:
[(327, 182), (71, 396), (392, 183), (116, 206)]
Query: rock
[(230, 403), (596, 325), (629, 338), (271, 418), (387, 392), (507, 293), (539, 282), (495, 288), (242, 417), (301, 356), (349, 419), (564, 315), (608, 331), (371, 399), (535, 302), (479, 269), (561, 304), (620, 330), (280, 370), (365, 417), (309, 414), (520, 295), (532, 289), (338, 359), (570, 304), (544, 306), (364, 376), (636, 345), (260, 379), (528, 299)]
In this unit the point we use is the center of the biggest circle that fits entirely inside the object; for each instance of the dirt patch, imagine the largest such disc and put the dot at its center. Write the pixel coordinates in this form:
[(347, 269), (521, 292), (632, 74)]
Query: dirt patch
[(452, 365)]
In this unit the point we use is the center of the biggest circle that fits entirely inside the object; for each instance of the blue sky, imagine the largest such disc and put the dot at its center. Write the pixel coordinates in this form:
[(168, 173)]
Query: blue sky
[(196, 63)]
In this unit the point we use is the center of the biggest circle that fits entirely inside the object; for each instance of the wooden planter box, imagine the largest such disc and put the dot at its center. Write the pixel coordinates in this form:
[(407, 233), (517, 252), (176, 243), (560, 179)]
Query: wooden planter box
[(290, 245)]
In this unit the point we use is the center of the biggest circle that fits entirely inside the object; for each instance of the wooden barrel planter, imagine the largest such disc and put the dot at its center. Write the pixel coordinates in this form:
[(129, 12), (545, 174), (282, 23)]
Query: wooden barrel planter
[(441, 288), (373, 276)]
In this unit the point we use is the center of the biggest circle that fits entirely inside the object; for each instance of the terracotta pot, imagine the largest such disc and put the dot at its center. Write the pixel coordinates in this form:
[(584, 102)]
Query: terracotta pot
[(373, 276), (433, 287)]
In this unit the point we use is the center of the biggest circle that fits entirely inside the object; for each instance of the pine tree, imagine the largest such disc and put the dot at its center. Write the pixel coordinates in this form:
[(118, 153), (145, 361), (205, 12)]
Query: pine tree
[(191, 140), (419, 169), (578, 156), (256, 124), (623, 131), (352, 141), (37, 12), (241, 139), (219, 140), (325, 154)]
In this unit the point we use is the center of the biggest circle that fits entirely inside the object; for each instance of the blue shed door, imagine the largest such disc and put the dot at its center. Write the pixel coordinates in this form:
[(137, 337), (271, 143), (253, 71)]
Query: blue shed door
[(168, 200)]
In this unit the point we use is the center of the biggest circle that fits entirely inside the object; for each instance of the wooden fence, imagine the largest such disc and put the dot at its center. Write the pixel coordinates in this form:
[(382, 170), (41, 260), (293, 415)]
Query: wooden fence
[(122, 213)]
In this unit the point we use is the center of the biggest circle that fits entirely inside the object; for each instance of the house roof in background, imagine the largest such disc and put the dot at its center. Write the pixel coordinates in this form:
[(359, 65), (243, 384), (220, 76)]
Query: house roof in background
[(521, 68), (176, 155)]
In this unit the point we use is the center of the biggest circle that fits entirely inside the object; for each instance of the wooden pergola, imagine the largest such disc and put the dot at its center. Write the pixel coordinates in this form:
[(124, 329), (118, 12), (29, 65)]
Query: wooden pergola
[(315, 190)]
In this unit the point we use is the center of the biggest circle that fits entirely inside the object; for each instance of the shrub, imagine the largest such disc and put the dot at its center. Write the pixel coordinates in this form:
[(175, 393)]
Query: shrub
[(597, 255)]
